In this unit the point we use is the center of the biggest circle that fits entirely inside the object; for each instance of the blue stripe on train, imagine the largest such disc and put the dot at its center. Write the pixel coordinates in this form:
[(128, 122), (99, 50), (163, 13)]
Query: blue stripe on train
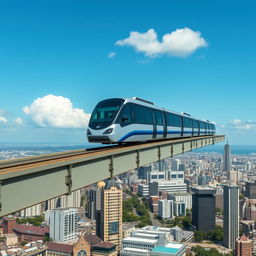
[(133, 133)]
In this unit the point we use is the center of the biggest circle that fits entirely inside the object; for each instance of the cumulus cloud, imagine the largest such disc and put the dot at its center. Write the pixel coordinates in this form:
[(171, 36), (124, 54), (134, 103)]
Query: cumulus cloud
[(111, 55), (56, 111), (179, 43), (18, 121), (3, 120), (242, 125)]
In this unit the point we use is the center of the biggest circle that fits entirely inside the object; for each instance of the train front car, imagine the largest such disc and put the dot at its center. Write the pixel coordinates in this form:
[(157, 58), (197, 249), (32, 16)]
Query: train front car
[(101, 127)]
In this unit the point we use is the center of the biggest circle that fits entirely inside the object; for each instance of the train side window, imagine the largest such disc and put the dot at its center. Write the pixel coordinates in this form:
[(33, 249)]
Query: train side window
[(173, 120), (187, 122), (125, 117), (159, 117), (202, 125), (195, 124), (148, 115), (141, 114)]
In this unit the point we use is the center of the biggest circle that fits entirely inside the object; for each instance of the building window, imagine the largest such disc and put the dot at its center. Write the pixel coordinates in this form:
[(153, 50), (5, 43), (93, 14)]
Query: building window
[(82, 253)]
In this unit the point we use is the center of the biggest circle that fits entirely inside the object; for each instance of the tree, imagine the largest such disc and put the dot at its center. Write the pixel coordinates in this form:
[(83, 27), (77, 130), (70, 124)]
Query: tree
[(22, 243), (199, 236), (241, 196)]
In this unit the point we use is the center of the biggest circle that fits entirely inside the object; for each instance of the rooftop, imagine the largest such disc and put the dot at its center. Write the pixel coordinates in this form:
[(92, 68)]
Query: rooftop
[(203, 190), (57, 247), (104, 246), (169, 248), (142, 240), (31, 230), (92, 239)]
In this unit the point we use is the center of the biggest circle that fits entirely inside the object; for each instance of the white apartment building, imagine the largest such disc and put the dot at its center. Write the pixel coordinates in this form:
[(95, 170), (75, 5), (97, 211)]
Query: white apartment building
[(181, 197), (165, 209), (63, 224)]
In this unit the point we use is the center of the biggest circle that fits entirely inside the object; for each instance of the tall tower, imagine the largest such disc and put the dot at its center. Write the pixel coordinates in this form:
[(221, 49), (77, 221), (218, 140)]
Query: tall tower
[(63, 224), (203, 208), (231, 215), (111, 213), (244, 246), (227, 158)]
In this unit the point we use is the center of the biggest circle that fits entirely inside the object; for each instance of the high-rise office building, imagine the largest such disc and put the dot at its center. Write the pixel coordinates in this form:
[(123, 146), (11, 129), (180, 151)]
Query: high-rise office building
[(165, 209), (166, 185), (175, 164), (94, 202), (243, 246), (111, 213), (203, 208), (63, 224), (250, 190), (65, 201), (227, 158), (231, 215), (35, 210)]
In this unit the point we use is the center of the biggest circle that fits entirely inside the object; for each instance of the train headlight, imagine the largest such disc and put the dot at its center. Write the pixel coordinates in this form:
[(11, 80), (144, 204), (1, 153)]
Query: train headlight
[(89, 132), (108, 131)]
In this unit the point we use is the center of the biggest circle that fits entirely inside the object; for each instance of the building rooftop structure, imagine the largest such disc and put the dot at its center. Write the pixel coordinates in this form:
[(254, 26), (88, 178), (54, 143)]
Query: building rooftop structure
[(104, 246), (203, 190), (57, 247), (169, 249), (138, 239), (31, 230), (92, 239)]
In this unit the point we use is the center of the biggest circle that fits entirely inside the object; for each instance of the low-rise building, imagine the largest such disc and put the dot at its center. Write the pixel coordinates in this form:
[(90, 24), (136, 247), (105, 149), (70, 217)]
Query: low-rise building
[(10, 239), (170, 249), (30, 233)]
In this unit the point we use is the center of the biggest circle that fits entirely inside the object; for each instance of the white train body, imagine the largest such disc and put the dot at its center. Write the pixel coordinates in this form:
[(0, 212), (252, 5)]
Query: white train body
[(126, 120)]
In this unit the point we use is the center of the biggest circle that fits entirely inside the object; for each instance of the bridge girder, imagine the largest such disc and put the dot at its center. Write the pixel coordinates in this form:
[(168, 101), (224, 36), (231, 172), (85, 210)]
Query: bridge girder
[(35, 183)]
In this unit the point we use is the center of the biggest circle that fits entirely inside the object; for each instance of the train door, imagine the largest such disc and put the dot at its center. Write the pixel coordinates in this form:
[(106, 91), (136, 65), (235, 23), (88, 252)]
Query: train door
[(182, 127), (154, 125), (193, 127), (159, 120), (165, 124)]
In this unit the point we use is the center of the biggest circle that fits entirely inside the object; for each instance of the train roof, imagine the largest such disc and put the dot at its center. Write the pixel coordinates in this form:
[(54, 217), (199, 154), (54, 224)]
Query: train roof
[(150, 104)]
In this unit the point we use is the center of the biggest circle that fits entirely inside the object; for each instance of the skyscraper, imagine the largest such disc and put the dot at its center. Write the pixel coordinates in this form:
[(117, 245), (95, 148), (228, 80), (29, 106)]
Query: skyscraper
[(244, 246), (250, 190), (94, 201), (227, 158), (203, 208), (63, 224), (231, 215), (111, 213)]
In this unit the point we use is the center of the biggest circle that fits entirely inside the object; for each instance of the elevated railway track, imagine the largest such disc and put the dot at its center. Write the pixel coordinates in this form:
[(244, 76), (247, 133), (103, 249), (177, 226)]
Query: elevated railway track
[(28, 181)]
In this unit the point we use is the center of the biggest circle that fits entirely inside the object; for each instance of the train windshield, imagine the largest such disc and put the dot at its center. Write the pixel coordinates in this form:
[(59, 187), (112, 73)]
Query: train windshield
[(104, 113)]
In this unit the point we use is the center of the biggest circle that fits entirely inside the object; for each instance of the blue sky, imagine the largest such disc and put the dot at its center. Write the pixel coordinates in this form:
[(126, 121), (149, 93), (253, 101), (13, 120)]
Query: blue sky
[(69, 49)]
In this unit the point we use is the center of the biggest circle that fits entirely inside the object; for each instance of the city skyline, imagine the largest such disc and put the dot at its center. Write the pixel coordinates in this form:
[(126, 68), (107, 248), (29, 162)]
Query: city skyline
[(57, 61)]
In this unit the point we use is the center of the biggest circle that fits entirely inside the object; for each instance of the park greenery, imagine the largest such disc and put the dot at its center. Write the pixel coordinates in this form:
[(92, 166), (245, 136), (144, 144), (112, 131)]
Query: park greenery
[(219, 212), (134, 205), (200, 251), (183, 222), (213, 235), (35, 221)]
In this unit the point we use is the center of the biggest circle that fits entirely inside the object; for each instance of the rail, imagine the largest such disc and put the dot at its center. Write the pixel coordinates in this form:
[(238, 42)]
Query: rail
[(28, 181)]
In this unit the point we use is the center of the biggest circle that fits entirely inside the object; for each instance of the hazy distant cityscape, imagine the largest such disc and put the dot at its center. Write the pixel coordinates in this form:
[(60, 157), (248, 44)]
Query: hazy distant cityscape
[(177, 206)]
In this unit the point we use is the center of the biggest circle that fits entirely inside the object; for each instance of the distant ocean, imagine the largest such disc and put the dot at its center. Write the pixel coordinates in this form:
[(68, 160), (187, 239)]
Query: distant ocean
[(235, 149), (8, 151)]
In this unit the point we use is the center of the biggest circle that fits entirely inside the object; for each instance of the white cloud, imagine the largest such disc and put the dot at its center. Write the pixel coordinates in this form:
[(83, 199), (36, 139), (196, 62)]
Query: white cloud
[(56, 111), (111, 55), (179, 43), (242, 125), (18, 121), (3, 120)]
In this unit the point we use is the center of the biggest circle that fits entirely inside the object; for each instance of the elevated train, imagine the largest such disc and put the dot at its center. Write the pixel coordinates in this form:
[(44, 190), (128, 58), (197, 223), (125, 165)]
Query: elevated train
[(126, 120)]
